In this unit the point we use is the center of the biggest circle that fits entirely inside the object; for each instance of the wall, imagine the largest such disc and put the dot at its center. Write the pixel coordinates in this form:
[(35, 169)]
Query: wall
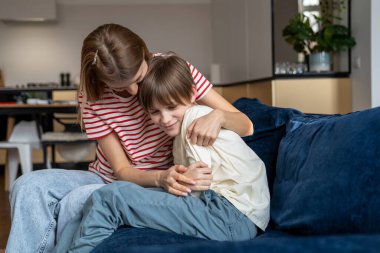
[(229, 39), (375, 60), (241, 39), (284, 11), (259, 37), (366, 54), (38, 52), (361, 54)]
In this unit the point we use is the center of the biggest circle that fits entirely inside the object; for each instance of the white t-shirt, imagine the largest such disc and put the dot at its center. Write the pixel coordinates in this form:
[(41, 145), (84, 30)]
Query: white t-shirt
[(239, 174)]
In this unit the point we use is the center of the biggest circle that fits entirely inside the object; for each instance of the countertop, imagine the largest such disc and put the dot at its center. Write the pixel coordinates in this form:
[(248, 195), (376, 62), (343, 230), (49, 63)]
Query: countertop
[(307, 75)]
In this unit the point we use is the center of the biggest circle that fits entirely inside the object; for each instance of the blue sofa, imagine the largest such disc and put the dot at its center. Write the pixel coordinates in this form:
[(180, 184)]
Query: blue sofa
[(324, 179)]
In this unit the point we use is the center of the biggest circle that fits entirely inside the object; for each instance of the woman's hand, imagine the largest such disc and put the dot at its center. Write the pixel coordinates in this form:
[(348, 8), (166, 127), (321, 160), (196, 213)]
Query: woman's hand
[(204, 130), (233, 119), (174, 181), (201, 174)]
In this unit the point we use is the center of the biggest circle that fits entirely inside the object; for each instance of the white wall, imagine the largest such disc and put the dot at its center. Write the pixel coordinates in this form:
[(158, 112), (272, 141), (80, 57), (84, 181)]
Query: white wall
[(38, 52), (366, 54), (375, 47), (259, 39), (284, 11), (361, 55), (229, 39), (241, 39)]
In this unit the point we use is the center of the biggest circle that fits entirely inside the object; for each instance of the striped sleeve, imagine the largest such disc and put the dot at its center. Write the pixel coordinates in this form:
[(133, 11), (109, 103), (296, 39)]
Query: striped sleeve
[(201, 82), (95, 126)]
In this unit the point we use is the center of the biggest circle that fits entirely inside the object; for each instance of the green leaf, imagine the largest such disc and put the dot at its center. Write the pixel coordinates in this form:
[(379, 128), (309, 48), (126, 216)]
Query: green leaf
[(331, 38)]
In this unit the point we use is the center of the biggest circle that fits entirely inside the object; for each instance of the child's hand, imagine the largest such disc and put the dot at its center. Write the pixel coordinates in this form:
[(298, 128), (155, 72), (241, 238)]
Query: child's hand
[(174, 181), (204, 130), (201, 174)]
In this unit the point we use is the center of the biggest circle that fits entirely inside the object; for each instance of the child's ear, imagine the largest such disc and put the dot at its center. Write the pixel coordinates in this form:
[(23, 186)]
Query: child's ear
[(194, 94)]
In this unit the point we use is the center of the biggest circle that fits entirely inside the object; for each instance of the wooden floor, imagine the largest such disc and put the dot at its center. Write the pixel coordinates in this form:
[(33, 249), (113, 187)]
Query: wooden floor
[(5, 219)]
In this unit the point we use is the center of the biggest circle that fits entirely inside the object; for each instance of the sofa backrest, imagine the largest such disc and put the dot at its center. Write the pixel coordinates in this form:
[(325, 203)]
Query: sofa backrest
[(269, 128), (323, 170)]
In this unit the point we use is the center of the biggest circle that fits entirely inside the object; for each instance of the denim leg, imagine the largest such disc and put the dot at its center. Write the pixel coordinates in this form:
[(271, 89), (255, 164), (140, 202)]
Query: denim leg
[(123, 203), (72, 205), (70, 212), (34, 197), (241, 228)]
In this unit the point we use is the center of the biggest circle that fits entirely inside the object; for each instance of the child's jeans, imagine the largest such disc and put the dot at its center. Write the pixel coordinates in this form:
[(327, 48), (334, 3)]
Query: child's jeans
[(122, 203), (40, 200)]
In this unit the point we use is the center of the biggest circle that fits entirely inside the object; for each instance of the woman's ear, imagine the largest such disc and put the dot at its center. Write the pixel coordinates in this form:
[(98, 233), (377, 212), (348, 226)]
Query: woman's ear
[(194, 94)]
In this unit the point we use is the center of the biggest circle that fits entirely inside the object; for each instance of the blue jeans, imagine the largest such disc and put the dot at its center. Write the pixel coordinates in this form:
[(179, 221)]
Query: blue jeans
[(122, 203), (42, 202)]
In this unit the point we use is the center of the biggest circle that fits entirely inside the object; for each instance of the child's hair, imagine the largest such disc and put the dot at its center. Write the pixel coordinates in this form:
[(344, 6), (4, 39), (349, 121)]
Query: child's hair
[(168, 80), (111, 53)]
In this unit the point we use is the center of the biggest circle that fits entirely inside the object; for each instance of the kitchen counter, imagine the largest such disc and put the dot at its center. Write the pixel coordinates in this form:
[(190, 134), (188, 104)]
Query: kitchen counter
[(306, 75), (327, 93), (5, 90)]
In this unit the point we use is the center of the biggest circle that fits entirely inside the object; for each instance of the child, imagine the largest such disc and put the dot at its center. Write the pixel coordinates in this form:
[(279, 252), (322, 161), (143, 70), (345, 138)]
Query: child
[(238, 199), (130, 148)]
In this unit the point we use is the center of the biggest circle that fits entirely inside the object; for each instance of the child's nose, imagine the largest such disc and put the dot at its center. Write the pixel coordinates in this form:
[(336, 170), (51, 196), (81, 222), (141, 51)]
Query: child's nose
[(165, 118)]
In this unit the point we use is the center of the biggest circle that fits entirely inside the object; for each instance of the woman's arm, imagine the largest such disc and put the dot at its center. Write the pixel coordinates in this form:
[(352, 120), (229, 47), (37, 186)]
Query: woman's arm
[(204, 130), (172, 179)]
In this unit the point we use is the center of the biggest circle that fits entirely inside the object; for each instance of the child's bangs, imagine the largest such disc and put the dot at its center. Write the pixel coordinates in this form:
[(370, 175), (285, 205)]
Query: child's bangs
[(174, 98), (168, 95)]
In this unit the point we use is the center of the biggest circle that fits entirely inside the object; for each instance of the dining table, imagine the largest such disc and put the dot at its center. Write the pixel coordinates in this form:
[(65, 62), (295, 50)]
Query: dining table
[(39, 112)]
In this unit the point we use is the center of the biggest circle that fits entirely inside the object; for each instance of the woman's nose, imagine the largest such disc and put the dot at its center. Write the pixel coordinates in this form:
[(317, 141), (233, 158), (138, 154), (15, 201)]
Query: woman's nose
[(133, 89)]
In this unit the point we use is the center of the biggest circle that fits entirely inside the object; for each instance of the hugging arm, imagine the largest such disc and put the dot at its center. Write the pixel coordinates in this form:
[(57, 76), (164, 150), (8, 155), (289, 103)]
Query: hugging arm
[(172, 179), (204, 130), (194, 154), (186, 152)]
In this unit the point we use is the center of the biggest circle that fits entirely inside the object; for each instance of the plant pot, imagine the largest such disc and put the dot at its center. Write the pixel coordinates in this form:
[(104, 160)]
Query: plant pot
[(319, 62)]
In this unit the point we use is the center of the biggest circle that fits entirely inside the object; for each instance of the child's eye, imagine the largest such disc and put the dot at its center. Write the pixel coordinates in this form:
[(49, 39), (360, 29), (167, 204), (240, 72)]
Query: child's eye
[(172, 107)]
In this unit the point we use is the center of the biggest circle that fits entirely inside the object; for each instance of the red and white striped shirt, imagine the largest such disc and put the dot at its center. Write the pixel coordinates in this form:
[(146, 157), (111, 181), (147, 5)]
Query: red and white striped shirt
[(146, 145)]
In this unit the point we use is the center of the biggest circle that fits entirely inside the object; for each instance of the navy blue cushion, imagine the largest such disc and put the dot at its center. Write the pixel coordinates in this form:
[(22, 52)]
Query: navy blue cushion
[(146, 240), (328, 175), (269, 124)]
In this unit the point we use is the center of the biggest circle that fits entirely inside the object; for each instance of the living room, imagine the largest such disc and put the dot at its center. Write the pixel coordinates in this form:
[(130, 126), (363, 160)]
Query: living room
[(230, 42)]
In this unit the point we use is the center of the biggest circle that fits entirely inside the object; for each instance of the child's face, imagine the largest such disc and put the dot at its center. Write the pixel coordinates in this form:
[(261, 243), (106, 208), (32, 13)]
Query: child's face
[(169, 117)]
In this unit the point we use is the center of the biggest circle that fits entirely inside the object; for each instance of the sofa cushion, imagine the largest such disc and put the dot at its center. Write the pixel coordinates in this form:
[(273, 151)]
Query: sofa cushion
[(269, 124), (328, 175), (144, 240)]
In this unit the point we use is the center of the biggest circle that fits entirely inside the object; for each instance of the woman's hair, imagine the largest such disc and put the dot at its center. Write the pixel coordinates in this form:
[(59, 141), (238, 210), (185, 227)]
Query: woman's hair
[(111, 53), (168, 80)]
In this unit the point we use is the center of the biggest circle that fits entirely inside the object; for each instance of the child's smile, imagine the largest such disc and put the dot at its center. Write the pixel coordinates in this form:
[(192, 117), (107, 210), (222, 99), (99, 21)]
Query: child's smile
[(168, 117)]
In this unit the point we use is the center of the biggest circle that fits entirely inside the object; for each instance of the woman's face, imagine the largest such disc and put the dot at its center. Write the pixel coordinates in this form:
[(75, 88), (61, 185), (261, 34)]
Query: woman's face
[(131, 87)]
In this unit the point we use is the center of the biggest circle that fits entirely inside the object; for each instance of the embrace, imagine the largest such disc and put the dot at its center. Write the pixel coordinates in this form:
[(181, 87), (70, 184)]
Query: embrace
[(169, 157)]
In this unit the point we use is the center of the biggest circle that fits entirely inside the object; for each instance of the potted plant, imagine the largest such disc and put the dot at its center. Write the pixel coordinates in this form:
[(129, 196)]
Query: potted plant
[(318, 44)]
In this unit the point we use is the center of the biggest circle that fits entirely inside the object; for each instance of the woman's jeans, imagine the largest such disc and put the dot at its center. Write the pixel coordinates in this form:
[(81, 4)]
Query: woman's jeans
[(122, 203), (42, 202)]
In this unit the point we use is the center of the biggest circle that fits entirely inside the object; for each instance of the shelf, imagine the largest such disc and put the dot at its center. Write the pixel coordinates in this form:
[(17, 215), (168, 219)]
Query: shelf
[(313, 75)]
